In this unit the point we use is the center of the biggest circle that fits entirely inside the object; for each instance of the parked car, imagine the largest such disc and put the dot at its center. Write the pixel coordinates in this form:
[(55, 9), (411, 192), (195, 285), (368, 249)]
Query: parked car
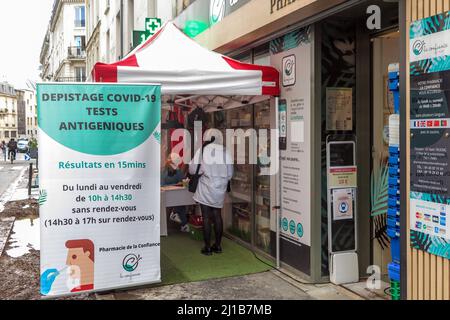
[(22, 145)]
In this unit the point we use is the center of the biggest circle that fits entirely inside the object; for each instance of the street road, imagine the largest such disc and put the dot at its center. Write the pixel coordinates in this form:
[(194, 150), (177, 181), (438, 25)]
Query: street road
[(10, 172)]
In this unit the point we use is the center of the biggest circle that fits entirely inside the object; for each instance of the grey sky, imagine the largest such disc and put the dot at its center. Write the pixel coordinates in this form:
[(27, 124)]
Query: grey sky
[(22, 28)]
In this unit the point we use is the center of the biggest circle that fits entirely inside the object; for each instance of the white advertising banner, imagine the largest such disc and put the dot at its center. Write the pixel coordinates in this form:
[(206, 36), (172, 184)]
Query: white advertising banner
[(292, 55), (99, 161)]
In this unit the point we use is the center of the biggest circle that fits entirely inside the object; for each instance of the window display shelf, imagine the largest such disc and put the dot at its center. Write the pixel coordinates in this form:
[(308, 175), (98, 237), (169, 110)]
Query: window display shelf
[(242, 209), (240, 179), (263, 239), (262, 199), (241, 196), (263, 212), (263, 222)]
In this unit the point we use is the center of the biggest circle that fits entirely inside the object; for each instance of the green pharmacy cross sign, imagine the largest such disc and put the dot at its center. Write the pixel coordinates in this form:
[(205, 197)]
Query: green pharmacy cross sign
[(152, 25)]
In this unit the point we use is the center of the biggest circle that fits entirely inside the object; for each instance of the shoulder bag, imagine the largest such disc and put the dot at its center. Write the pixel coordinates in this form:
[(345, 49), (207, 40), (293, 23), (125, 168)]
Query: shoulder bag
[(193, 180)]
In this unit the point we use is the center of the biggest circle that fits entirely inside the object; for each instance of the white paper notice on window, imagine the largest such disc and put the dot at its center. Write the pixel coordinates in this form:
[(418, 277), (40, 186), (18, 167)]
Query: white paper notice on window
[(298, 131), (339, 109)]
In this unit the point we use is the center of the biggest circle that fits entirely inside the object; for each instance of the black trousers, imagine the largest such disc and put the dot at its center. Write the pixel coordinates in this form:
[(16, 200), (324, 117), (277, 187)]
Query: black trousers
[(212, 216)]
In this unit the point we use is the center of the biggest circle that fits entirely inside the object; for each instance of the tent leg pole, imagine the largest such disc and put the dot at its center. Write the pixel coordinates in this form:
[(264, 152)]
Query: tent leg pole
[(278, 210)]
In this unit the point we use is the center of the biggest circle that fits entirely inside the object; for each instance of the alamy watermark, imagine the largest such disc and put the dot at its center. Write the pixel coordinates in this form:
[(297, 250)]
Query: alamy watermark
[(374, 19), (250, 146)]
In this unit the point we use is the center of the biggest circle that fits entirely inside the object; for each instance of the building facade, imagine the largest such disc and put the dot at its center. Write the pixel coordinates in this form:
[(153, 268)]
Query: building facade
[(110, 25), (63, 53), (27, 114), (8, 112), (21, 113)]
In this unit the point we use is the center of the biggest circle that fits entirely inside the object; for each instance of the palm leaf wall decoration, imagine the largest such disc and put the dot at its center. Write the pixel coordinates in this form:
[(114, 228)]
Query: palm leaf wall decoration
[(379, 191), (379, 182)]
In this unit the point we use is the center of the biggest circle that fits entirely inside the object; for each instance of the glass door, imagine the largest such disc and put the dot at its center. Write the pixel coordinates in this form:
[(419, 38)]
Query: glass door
[(242, 181), (262, 182), (248, 217)]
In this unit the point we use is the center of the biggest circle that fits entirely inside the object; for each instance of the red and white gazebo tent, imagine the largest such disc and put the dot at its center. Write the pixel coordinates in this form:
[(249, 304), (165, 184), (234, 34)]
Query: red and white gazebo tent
[(191, 75), (182, 66)]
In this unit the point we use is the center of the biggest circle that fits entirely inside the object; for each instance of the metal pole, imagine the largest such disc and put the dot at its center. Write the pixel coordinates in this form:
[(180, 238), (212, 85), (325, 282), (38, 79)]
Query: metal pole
[(404, 118), (278, 207), (121, 28), (30, 177)]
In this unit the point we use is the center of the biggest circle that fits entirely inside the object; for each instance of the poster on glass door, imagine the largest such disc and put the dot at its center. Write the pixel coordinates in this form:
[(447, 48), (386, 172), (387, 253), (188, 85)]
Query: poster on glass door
[(99, 161)]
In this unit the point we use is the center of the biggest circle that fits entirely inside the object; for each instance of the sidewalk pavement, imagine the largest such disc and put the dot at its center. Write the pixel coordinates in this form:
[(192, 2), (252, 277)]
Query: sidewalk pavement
[(17, 190), (271, 285), (6, 225)]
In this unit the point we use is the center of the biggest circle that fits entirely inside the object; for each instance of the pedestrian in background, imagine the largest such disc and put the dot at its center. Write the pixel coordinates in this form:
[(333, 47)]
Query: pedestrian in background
[(12, 149), (3, 148)]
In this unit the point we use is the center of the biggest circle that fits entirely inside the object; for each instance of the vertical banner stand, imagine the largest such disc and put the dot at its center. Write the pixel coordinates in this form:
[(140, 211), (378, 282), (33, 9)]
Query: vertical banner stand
[(393, 214)]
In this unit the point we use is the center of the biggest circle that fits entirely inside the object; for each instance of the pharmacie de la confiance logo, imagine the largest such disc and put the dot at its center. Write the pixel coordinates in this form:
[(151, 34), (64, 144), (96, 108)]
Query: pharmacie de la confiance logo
[(420, 46), (289, 67), (131, 262), (216, 11)]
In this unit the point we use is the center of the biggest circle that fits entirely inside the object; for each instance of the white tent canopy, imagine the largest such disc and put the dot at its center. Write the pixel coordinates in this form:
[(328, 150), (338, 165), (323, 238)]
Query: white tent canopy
[(183, 67)]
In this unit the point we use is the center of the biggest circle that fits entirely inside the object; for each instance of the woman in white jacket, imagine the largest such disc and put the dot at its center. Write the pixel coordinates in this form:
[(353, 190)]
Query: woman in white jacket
[(216, 170)]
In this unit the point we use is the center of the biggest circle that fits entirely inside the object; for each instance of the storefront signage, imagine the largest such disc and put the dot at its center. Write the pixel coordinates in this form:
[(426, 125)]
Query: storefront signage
[(289, 71), (342, 177), (152, 25), (295, 144), (99, 161), (219, 9), (200, 15), (277, 5), (193, 28), (295, 108), (430, 135)]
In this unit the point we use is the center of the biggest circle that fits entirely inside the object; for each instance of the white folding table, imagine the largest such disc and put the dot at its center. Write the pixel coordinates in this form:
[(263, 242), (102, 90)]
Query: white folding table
[(173, 196)]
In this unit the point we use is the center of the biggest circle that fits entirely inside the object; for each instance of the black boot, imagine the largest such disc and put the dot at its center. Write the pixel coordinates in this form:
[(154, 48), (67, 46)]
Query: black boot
[(206, 251), (216, 249)]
